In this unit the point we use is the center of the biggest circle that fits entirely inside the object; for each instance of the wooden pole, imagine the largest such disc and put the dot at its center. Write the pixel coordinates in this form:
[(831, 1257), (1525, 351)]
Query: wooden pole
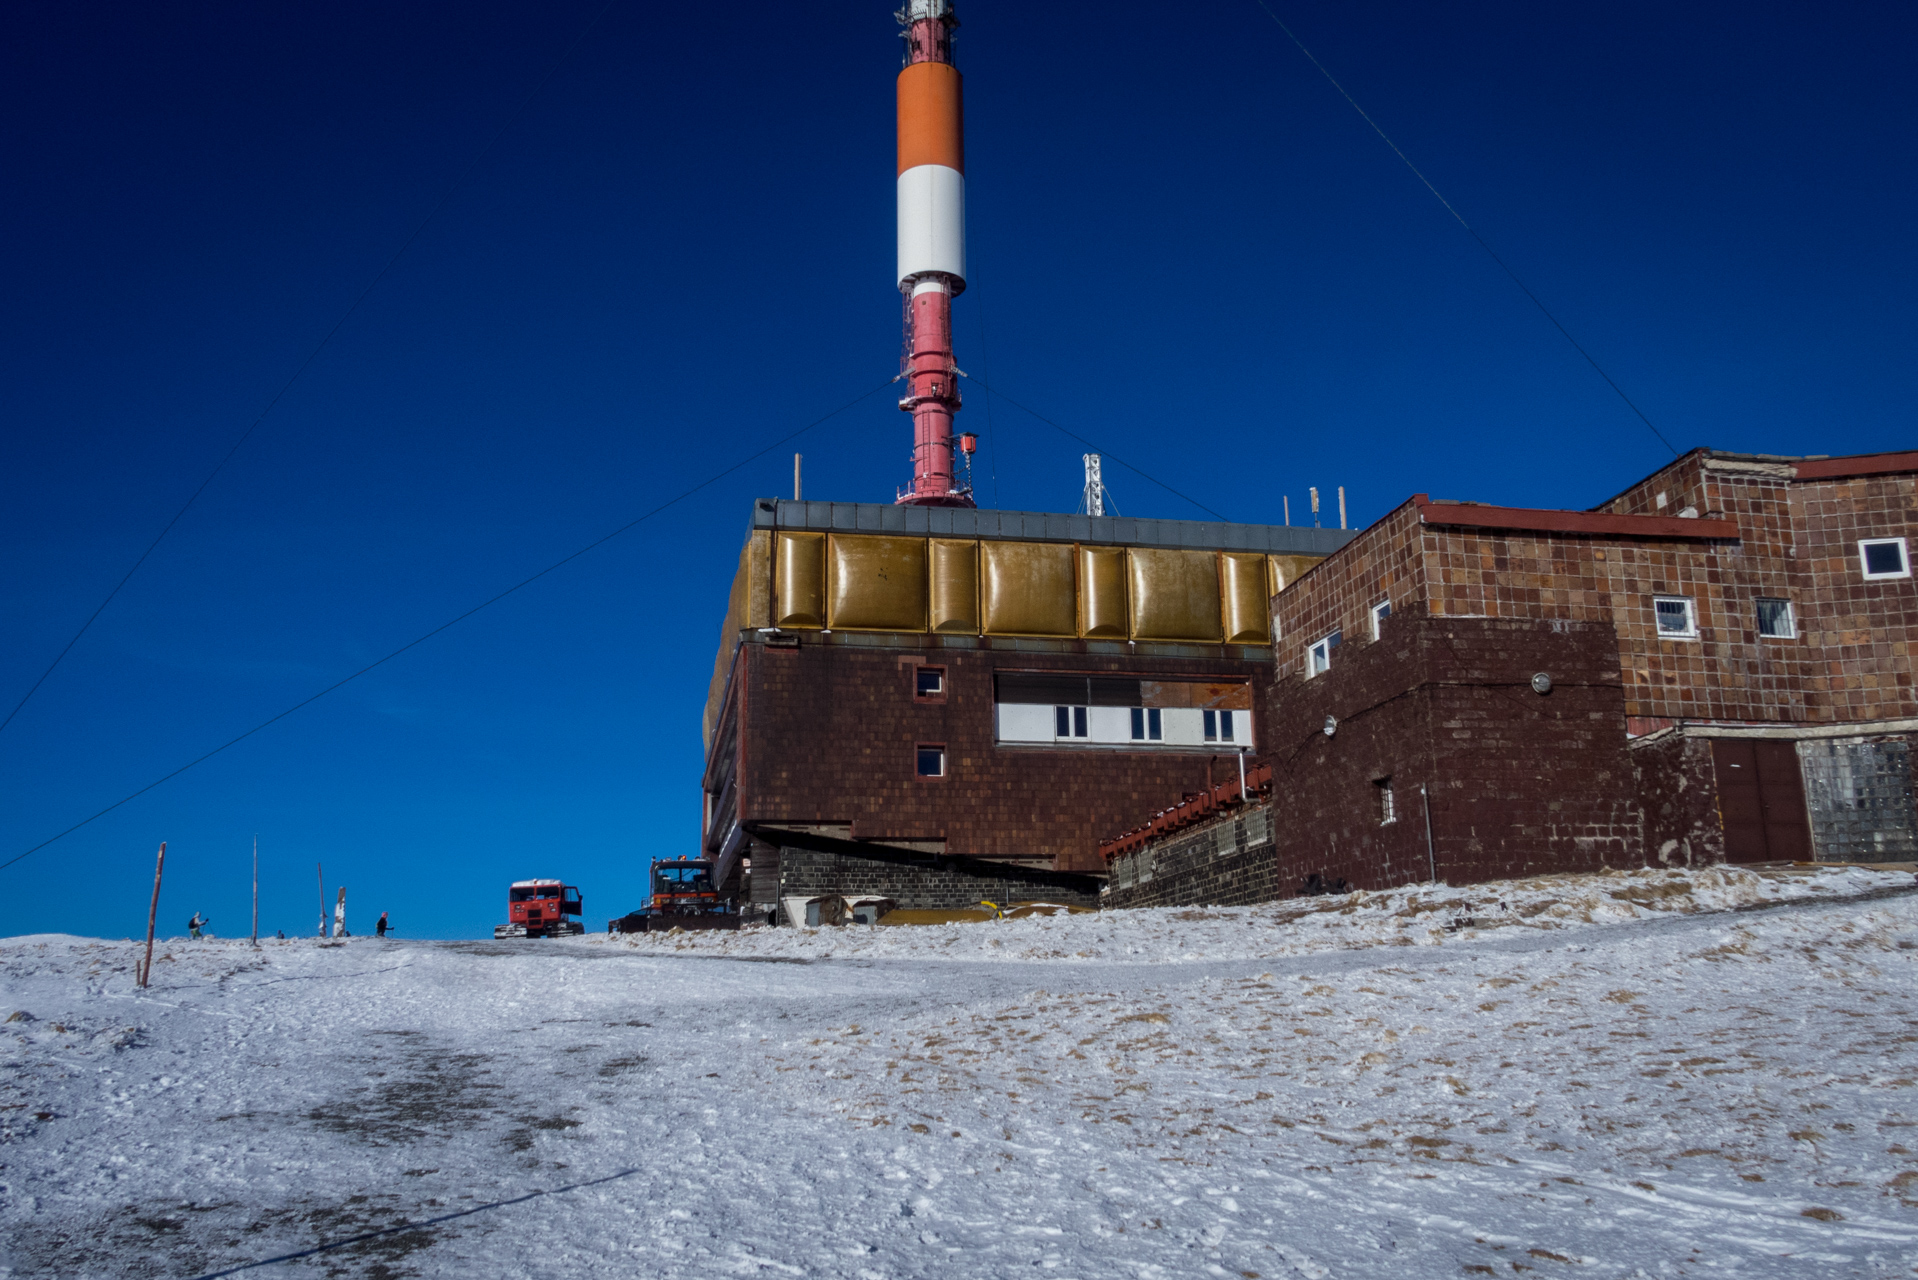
[(319, 873), (256, 889), (153, 911)]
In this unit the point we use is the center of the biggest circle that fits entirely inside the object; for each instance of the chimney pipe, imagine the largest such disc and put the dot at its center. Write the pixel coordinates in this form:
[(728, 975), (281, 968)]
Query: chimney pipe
[(1341, 506)]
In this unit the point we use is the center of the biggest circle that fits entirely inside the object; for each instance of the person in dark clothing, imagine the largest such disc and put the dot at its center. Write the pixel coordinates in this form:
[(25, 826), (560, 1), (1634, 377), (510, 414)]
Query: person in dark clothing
[(196, 924), (381, 927)]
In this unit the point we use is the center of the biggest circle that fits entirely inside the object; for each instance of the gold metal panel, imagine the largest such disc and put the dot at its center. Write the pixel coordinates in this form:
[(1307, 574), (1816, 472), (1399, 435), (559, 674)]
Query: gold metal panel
[(1027, 589), (1283, 570), (799, 581), (1102, 592), (756, 563), (1245, 598), (1175, 594), (875, 583), (955, 586)]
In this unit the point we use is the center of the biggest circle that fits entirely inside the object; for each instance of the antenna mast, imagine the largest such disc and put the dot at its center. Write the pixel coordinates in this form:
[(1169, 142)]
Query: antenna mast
[(932, 246), (1095, 498)]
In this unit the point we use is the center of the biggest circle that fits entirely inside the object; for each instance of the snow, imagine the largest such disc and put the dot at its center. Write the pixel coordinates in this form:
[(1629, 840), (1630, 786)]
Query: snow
[(1664, 1073)]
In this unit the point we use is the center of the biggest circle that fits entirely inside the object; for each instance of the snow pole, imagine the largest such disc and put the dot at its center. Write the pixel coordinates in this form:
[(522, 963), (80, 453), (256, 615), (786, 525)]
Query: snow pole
[(153, 911), (319, 873), (256, 889)]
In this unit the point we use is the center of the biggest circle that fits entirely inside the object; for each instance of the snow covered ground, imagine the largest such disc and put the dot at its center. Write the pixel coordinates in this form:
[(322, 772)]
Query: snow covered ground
[(1665, 1073)]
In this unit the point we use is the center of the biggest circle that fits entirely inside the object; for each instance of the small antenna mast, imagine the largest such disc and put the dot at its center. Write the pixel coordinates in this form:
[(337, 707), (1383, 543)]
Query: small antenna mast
[(1095, 498)]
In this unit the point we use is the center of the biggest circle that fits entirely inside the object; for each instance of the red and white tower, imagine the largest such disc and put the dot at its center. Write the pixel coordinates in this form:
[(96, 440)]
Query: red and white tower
[(932, 245)]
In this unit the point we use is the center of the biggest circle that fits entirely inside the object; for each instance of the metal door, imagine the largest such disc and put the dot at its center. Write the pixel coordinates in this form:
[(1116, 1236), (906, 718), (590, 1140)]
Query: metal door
[(1761, 800)]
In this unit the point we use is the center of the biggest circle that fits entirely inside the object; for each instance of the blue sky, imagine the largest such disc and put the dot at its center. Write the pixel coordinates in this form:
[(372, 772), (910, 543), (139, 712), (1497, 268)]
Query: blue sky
[(1184, 245)]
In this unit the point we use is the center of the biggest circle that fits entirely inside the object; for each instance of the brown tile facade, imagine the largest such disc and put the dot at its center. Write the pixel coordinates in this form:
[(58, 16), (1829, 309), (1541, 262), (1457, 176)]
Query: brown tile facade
[(826, 734), (1797, 541), (1622, 760)]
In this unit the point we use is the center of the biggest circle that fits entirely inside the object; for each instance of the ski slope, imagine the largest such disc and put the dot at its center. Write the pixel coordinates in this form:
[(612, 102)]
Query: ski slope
[(1658, 1074)]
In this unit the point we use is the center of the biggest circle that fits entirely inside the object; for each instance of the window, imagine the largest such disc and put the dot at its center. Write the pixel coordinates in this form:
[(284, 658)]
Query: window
[(929, 684), (1218, 726), (1884, 558), (1069, 722), (1774, 618), (1319, 656), (932, 760), (1148, 725), (1675, 616), (1380, 612), (1388, 810)]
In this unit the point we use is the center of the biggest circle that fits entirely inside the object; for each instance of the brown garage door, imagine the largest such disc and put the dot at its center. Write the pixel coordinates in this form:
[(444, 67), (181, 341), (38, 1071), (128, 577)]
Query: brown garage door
[(1761, 800)]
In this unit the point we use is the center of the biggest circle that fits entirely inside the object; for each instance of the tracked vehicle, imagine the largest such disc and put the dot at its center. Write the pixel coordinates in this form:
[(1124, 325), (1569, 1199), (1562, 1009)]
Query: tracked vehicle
[(539, 909), (684, 897)]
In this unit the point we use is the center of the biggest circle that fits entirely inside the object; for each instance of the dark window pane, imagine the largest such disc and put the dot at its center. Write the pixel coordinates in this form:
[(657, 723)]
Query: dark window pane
[(1674, 616), (1040, 688), (1154, 726), (1138, 724), (932, 762), (1211, 726), (931, 681), (1225, 725), (1774, 617), (1062, 722), (1884, 557), (1078, 722), (1334, 640)]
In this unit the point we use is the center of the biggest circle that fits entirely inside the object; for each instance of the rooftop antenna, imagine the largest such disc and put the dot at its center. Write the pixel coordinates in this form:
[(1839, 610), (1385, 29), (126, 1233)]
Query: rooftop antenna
[(1095, 498)]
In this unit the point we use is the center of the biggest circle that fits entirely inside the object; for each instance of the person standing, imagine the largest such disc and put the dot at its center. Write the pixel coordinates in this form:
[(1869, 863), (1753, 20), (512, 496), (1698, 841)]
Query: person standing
[(382, 926), (196, 924)]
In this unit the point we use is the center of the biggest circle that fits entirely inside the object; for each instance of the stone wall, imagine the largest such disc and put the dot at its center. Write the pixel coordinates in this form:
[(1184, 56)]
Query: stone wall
[(1226, 861), (1678, 793), (807, 873)]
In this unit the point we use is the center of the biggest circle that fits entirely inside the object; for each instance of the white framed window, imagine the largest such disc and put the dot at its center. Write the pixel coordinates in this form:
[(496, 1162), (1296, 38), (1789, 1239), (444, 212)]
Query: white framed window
[(1883, 558), (1218, 726), (1380, 612), (931, 759), (1775, 619), (1318, 659), (1148, 724), (1677, 617), (1069, 722)]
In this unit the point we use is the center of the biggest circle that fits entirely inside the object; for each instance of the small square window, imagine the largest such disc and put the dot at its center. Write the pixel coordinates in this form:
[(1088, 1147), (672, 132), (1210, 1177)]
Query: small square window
[(1211, 726), (1884, 558), (932, 761), (1774, 618), (1675, 616), (929, 683), (1380, 612)]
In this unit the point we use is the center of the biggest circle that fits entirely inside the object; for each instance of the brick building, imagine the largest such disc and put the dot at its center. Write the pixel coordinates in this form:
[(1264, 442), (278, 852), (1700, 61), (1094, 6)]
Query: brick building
[(1712, 666), (978, 684)]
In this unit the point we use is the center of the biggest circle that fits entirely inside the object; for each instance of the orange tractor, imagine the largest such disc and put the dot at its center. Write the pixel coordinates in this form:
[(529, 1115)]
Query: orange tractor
[(539, 909), (684, 897)]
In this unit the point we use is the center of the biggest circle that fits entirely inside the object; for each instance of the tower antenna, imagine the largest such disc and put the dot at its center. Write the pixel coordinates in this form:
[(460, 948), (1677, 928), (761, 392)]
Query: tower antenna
[(932, 246)]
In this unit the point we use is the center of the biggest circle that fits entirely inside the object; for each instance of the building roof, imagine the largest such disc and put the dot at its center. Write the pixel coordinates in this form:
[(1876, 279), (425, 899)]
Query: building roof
[(1038, 526), (1473, 515)]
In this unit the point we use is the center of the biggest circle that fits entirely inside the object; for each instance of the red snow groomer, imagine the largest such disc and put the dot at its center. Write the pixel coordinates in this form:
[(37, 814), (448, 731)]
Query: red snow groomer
[(684, 897), (539, 909)]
